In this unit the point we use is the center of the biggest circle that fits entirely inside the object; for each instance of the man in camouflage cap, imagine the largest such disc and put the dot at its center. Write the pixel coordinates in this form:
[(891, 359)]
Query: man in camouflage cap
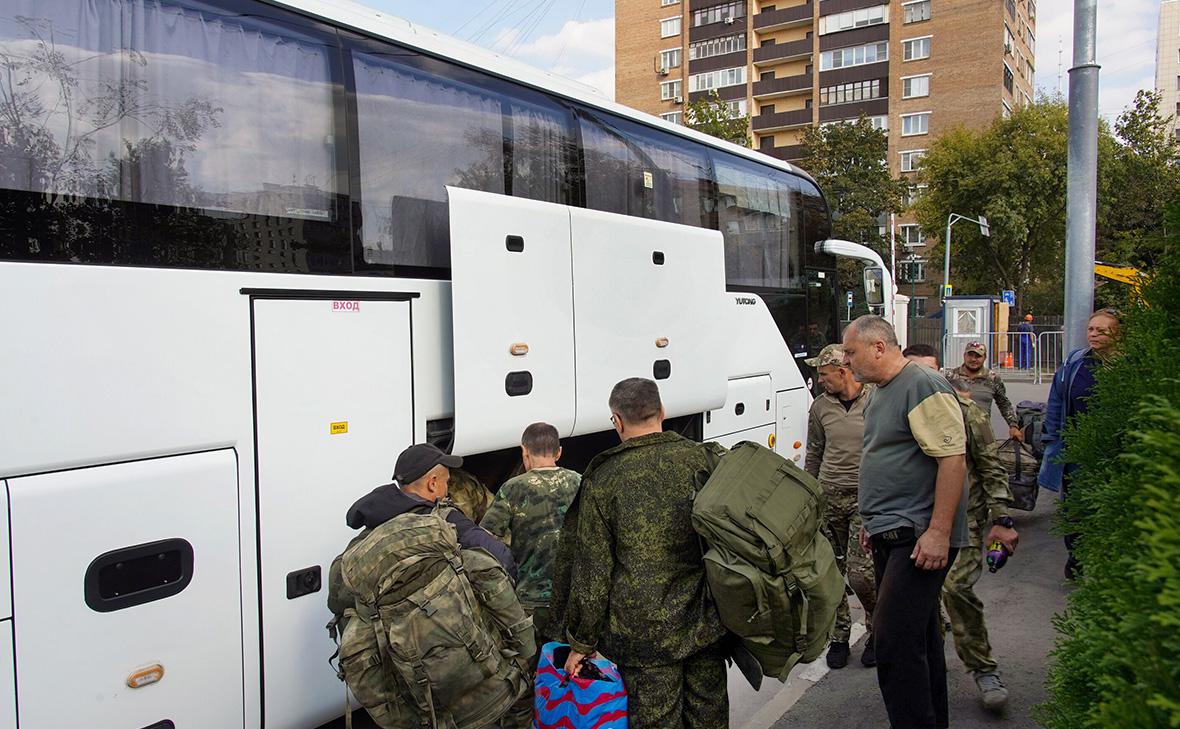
[(835, 438), (988, 500), (637, 589), (986, 386), (527, 514)]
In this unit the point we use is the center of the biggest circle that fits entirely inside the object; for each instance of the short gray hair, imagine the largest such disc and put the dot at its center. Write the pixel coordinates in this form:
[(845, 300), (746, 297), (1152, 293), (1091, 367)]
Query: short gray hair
[(872, 328), (635, 399)]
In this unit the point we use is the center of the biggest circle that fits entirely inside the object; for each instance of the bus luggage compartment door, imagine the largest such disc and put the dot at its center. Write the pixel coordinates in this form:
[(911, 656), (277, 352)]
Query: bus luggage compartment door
[(334, 407), (512, 309), (127, 594), (649, 301)]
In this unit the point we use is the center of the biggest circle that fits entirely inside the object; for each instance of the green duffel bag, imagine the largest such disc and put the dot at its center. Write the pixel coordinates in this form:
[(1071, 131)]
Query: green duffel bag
[(771, 571)]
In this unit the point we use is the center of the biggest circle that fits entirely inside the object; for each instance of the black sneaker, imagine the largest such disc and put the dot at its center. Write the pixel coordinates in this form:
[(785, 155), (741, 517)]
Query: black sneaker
[(838, 653), (868, 659)]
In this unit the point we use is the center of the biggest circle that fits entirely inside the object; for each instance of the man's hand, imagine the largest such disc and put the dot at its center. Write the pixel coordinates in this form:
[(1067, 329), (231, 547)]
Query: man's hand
[(1008, 537), (573, 664), (864, 541), (1016, 433), (930, 553)]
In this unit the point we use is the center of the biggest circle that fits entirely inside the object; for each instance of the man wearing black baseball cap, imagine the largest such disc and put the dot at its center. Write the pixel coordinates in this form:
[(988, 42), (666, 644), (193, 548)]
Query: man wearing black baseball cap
[(420, 478)]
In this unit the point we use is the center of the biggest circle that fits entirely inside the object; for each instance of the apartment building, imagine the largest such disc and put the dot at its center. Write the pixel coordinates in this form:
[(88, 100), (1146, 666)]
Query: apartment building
[(1167, 62), (913, 67)]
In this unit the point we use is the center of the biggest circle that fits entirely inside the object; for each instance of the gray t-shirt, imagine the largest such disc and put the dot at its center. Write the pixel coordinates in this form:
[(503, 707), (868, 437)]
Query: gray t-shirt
[(910, 422)]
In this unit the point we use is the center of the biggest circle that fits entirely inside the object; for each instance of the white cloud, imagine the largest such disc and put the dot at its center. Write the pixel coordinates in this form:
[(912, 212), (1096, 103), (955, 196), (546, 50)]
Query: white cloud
[(1126, 49), (587, 39), (602, 79)]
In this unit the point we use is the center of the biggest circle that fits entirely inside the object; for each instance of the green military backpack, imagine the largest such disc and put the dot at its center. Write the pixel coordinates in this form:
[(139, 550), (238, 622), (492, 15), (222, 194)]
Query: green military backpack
[(772, 573), (429, 635)]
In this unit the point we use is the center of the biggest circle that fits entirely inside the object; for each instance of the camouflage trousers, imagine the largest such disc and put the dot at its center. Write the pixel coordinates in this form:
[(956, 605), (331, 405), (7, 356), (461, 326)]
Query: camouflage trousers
[(963, 606), (520, 714), (841, 525), (690, 694)]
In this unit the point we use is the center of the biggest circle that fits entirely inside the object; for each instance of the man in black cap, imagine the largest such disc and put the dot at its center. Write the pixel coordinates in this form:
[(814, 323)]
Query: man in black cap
[(420, 479)]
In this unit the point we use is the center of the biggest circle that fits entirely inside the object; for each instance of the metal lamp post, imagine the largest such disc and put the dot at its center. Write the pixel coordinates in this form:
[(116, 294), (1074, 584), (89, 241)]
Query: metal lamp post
[(951, 219)]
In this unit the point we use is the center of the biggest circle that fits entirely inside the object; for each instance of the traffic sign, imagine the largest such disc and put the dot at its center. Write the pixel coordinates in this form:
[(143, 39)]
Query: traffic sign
[(1009, 297)]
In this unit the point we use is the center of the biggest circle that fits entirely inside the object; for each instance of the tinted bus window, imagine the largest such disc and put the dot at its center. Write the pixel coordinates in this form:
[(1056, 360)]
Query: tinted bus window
[(168, 133), (635, 170), (759, 210), (425, 124)]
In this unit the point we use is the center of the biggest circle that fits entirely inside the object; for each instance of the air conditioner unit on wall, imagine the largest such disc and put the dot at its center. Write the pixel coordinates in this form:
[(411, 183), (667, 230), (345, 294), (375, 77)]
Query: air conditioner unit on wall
[(728, 21), (663, 71), (678, 99)]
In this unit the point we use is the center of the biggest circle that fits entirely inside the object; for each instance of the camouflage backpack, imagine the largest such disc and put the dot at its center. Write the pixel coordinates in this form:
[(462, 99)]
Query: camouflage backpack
[(771, 572), (429, 635)]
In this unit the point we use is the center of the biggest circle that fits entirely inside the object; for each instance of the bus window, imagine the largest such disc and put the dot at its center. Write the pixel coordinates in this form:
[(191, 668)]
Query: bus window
[(759, 211), (168, 133), (634, 170)]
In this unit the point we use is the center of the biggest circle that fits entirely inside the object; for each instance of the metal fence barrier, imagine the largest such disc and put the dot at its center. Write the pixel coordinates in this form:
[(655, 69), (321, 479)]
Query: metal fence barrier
[(1013, 355), (1050, 354)]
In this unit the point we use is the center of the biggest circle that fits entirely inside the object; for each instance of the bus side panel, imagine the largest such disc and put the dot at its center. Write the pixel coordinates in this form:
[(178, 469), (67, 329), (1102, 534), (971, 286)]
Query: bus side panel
[(7, 677), (127, 594), (649, 301)]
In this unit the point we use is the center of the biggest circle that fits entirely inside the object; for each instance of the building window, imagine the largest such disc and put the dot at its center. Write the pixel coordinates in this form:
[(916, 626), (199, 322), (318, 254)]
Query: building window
[(914, 124), (675, 117), (912, 271), (916, 48), (911, 159), (717, 79), (854, 19), (845, 93), (737, 108), (913, 87), (917, 307), (670, 27), (666, 3), (1032, 11), (1008, 78), (670, 59), (913, 193), (1011, 6), (1005, 109), (911, 235), (1009, 41), (915, 12), (670, 91), (855, 56), (717, 46), (719, 14)]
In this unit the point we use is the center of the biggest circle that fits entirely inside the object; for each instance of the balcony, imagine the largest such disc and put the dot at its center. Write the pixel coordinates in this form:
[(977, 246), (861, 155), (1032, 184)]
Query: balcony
[(782, 120), (769, 20), (788, 153), (778, 52), (783, 86)]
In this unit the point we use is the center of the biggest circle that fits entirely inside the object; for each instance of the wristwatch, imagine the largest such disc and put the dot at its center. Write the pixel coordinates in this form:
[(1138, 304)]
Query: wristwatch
[(1004, 521)]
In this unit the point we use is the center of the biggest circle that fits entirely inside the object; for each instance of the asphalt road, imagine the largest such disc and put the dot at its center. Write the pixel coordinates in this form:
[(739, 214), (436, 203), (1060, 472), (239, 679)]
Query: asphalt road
[(1020, 603)]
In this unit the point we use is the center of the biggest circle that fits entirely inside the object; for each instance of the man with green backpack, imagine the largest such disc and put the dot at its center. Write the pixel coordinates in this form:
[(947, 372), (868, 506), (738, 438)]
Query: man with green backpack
[(431, 633)]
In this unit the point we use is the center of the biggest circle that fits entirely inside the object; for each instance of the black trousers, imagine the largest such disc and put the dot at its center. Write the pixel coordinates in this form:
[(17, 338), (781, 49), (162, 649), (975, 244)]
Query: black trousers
[(911, 666)]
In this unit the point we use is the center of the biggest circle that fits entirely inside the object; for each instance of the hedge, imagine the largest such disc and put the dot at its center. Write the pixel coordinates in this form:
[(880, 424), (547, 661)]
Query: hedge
[(1117, 660)]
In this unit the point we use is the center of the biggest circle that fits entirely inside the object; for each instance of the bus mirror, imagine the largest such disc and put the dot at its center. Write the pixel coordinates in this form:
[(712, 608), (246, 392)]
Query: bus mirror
[(874, 286)]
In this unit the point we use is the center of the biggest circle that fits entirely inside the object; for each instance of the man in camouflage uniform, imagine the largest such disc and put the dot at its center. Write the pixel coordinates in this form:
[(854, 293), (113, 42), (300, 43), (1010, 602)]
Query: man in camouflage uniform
[(835, 438), (637, 590), (986, 386), (989, 497), (469, 495), (526, 515)]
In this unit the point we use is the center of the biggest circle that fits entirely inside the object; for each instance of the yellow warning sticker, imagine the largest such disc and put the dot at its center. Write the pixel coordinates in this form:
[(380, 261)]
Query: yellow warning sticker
[(338, 428), (648, 180)]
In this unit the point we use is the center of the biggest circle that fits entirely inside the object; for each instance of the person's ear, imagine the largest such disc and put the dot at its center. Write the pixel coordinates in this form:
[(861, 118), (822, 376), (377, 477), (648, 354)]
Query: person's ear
[(558, 456)]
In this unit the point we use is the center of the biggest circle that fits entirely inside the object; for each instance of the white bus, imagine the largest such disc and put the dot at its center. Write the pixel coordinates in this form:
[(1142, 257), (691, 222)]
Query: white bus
[(250, 251)]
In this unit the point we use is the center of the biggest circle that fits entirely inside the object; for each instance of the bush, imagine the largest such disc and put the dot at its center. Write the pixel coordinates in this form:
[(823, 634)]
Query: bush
[(1117, 661)]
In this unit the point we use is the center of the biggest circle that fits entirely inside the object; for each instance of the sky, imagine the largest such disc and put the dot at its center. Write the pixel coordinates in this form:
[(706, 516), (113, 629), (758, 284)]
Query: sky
[(575, 38)]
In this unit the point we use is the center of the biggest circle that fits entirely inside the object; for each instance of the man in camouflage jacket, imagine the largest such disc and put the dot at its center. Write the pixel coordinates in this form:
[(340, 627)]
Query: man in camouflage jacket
[(986, 386), (637, 590), (989, 497)]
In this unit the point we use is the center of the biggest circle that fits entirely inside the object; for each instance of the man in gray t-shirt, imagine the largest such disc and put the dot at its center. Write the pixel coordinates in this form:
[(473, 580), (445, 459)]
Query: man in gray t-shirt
[(913, 505)]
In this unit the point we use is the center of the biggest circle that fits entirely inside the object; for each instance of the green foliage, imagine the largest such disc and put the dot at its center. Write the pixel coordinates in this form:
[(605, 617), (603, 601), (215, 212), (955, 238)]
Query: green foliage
[(850, 163), (1117, 662), (1144, 179), (711, 115), (1013, 172)]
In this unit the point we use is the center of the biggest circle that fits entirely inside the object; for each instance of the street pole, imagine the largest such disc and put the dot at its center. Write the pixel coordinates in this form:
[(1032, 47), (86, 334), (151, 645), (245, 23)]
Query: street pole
[(1082, 182), (946, 258)]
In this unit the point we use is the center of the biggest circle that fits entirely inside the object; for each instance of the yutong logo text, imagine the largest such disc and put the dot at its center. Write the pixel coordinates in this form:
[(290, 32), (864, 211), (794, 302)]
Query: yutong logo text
[(745, 300)]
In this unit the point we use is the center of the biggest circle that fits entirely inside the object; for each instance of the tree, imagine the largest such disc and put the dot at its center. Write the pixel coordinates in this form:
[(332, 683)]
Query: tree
[(1013, 172), (1144, 179), (712, 116)]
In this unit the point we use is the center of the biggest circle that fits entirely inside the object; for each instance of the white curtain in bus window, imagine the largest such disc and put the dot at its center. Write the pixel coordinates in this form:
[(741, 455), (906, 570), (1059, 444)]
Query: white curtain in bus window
[(759, 212), (542, 151), (162, 103), (633, 170), (419, 132)]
